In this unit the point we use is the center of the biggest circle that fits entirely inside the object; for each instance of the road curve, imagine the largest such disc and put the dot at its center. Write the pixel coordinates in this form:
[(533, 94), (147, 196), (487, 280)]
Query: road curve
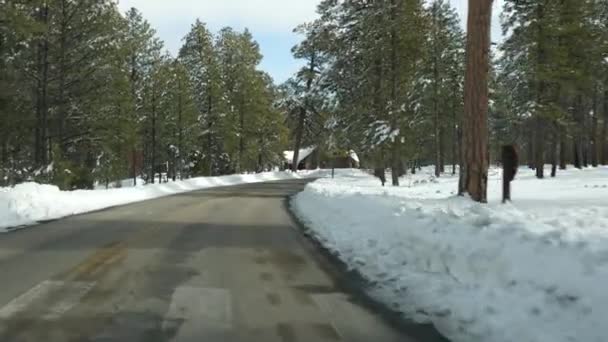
[(224, 264)]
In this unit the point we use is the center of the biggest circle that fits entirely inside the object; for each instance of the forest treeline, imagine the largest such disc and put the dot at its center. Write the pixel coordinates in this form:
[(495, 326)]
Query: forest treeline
[(386, 78), (89, 95)]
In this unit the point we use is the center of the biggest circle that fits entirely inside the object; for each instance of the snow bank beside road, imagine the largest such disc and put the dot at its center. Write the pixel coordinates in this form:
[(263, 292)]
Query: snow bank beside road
[(28, 203), (535, 270)]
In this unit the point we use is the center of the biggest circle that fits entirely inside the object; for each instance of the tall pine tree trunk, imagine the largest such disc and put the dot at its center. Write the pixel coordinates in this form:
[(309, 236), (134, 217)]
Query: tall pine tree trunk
[(539, 138), (180, 132), (462, 163), (396, 146), (210, 156), (241, 136), (298, 140), (476, 101), (539, 147), (132, 80), (302, 115), (456, 139), (153, 136), (593, 145), (530, 149), (436, 122), (42, 145), (563, 148), (554, 148), (577, 138), (61, 113), (604, 138)]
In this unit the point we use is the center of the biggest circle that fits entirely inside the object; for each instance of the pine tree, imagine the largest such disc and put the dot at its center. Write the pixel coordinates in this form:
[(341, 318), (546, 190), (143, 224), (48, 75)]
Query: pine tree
[(140, 48), (200, 59), (444, 88), (476, 100)]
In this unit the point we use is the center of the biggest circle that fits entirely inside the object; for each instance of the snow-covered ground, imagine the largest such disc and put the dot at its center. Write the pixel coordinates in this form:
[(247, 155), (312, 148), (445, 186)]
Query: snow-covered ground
[(534, 270), (29, 203)]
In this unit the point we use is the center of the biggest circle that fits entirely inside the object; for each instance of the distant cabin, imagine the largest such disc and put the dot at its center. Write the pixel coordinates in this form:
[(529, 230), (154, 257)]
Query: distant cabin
[(307, 159), (311, 158)]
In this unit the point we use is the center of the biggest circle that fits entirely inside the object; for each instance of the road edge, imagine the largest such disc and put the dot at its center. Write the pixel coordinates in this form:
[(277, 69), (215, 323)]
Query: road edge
[(352, 282)]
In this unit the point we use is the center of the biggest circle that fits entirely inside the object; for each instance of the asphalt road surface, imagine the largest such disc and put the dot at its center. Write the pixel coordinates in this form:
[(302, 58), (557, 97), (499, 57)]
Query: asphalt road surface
[(226, 264)]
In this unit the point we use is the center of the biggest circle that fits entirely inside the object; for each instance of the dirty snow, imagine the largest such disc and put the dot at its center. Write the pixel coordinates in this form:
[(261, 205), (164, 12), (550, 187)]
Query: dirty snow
[(534, 270)]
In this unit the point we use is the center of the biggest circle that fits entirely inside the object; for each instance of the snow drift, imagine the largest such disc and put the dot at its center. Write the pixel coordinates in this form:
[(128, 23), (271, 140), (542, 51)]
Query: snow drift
[(534, 270)]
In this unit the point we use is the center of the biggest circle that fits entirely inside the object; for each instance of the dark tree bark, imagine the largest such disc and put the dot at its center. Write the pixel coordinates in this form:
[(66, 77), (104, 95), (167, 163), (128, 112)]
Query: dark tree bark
[(210, 135), (577, 138), (42, 145), (61, 101), (180, 132), (241, 136), (298, 140), (436, 121), (539, 131), (302, 115), (133, 79), (539, 147), (153, 136), (476, 99), (554, 149), (530, 150), (462, 163), (604, 137), (456, 139), (396, 145), (563, 148), (593, 145), (442, 150)]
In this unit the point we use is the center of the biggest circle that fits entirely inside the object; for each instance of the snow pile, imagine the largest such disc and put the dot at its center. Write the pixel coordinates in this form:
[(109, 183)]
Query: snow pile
[(534, 270), (28, 203)]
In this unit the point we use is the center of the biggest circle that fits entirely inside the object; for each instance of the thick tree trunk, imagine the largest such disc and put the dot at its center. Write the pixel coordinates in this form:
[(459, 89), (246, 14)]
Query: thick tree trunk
[(61, 112), (530, 149), (436, 99), (442, 150), (539, 150), (437, 147), (302, 116), (132, 80), (462, 164), (239, 168), (554, 148), (180, 132), (210, 156), (476, 101), (153, 136), (563, 148), (593, 145), (456, 140), (539, 142), (298, 140), (41, 152), (396, 161), (395, 147), (604, 138), (577, 150), (4, 167), (578, 135)]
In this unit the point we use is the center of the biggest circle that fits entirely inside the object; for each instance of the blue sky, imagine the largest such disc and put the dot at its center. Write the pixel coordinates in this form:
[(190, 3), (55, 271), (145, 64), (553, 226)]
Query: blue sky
[(270, 21)]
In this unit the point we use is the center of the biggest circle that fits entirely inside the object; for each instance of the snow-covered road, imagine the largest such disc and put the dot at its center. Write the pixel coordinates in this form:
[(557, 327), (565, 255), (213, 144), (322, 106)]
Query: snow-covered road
[(533, 270)]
